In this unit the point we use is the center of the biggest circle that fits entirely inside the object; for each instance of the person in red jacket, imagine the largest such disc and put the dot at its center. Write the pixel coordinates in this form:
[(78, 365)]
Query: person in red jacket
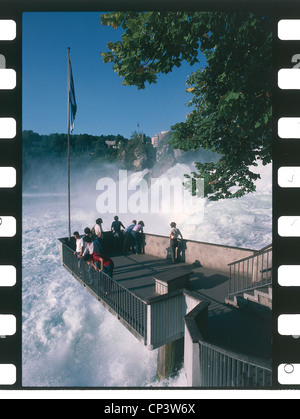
[(101, 263)]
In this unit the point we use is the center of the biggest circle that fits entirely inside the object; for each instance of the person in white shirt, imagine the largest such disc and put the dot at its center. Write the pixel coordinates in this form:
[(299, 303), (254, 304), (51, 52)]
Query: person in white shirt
[(79, 243), (174, 236), (90, 247), (79, 246), (99, 233)]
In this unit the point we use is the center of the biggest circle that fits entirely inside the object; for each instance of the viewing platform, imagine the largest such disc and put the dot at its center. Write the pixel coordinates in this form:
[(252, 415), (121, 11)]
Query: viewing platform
[(160, 303), (137, 272)]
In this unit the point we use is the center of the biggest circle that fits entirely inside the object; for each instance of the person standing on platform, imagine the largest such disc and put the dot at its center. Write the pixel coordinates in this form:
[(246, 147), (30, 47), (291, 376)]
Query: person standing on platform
[(89, 233), (79, 246), (117, 233), (99, 234), (91, 246), (137, 233), (106, 264), (101, 263), (174, 241), (128, 239)]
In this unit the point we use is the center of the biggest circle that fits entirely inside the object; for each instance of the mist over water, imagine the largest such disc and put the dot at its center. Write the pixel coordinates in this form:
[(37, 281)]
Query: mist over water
[(69, 339)]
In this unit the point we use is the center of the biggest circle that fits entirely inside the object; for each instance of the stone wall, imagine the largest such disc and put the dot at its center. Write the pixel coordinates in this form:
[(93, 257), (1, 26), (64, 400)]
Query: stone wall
[(208, 255)]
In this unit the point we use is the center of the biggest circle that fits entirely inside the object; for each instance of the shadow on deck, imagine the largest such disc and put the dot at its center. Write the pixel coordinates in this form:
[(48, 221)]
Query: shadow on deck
[(233, 328)]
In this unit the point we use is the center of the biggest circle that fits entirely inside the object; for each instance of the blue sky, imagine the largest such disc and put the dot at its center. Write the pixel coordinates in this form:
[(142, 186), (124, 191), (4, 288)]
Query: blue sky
[(104, 105)]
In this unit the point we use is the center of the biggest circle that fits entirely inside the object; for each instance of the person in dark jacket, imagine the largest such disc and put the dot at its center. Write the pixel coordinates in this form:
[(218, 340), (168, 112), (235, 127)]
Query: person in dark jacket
[(117, 233)]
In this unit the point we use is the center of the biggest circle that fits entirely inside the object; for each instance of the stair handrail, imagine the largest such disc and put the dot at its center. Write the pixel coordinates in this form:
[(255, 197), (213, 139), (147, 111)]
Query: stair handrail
[(254, 276), (255, 253)]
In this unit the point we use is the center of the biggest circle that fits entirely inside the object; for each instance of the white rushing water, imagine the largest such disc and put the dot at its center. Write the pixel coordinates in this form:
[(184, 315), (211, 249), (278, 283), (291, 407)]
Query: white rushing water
[(69, 339)]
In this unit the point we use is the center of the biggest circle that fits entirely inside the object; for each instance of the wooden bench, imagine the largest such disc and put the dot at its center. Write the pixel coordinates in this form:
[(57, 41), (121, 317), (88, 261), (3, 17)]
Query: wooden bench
[(172, 279)]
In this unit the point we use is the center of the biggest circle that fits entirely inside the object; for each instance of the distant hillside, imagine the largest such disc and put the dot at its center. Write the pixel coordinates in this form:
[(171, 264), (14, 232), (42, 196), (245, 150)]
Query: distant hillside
[(45, 156), (133, 154)]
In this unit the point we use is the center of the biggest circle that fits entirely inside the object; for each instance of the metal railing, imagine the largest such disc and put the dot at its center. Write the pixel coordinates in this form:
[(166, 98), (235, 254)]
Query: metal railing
[(251, 273), (221, 368), (218, 366), (125, 304)]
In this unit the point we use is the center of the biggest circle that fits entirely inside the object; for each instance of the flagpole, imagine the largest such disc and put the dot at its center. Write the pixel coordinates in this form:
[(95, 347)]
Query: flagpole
[(69, 192)]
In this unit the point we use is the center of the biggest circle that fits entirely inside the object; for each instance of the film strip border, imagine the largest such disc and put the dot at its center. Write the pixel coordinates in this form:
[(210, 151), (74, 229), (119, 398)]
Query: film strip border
[(286, 208), (10, 199)]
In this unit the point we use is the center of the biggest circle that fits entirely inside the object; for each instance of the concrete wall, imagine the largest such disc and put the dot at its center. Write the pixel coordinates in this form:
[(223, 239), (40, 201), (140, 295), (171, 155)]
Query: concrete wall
[(208, 255), (174, 322), (191, 360), (191, 346), (165, 320), (196, 327)]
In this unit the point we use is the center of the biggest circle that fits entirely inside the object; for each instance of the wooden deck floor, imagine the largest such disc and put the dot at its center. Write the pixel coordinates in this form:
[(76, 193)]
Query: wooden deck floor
[(136, 272)]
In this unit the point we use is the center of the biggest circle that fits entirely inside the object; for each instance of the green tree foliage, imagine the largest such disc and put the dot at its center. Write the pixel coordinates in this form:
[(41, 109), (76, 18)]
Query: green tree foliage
[(140, 136), (112, 148), (139, 154), (55, 145), (231, 97), (101, 148)]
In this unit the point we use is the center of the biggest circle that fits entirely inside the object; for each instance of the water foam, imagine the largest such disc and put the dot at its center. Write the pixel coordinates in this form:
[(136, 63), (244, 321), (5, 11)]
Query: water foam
[(69, 339)]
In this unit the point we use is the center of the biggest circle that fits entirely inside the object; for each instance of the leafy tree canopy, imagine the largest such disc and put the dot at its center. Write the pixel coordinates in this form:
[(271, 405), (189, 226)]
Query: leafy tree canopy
[(231, 97)]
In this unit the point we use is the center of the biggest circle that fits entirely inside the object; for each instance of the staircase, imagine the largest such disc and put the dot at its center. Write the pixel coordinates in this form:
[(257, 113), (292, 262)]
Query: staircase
[(262, 296), (250, 284)]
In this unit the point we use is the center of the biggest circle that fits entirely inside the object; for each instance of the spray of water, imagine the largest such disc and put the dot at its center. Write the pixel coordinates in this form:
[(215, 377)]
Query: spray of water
[(69, 339)]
